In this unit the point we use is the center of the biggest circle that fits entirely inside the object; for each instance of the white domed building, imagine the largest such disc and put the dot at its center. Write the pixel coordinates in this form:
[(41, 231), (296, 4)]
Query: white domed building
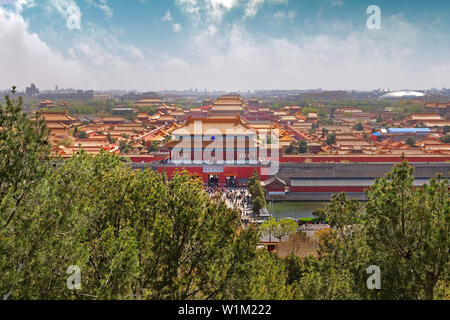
[(402, 95)]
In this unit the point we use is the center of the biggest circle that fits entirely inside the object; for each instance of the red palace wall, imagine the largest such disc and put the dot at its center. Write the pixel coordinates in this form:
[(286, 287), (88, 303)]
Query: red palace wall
[(365, 158), (146, 158), (238, 172), (275, 189), (328, 189), (246, 172), (324, 158)]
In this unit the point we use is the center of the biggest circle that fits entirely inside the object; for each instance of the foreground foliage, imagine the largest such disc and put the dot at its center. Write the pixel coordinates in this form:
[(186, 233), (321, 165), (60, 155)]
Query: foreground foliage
[(135, 235)]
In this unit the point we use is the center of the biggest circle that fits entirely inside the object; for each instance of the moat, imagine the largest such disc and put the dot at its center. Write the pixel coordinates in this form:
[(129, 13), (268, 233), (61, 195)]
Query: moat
[(295, 209)]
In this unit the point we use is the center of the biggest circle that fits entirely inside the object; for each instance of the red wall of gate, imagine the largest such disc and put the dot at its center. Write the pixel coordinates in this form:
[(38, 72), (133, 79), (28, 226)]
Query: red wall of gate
[(237, 172)]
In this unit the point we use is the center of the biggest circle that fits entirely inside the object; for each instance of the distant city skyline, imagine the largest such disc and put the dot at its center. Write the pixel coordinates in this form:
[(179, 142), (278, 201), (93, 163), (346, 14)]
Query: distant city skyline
[(58, 89), (224, 45)]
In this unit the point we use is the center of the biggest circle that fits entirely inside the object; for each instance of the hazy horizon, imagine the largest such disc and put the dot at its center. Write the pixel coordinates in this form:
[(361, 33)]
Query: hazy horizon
[(222, 91)]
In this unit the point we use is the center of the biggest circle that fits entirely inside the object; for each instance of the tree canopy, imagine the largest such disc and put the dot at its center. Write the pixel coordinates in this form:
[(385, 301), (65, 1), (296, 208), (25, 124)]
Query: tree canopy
[(257, 193), (331, 139), (279, 229)]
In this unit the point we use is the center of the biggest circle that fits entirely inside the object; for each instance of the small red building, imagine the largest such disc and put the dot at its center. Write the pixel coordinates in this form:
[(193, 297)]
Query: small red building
[(275, 184)]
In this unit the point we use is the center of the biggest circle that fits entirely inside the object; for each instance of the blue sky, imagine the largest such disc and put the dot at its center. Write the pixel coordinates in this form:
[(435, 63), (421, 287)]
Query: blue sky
[(224, 44)]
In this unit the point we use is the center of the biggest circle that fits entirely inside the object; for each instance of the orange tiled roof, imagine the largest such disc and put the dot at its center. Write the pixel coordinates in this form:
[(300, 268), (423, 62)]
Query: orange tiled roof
[(51, 116)]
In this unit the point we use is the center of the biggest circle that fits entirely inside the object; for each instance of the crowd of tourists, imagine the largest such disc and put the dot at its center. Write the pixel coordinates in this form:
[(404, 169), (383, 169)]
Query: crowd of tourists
[(240, 199), (313, 226), (235, 198)]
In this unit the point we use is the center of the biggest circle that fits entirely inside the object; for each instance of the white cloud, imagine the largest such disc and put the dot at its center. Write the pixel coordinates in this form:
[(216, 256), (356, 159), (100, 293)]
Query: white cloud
[(354, 58), (252, 8), (96, 59), (175, 65), (21, 4), (25, 58), (209, 11), (216, 9), (190, 8), (213, 11), (103, 47)]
